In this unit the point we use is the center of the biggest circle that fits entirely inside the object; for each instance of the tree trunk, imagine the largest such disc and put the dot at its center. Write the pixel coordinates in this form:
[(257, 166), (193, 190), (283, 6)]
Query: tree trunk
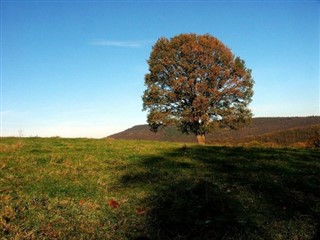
[(201, 139)]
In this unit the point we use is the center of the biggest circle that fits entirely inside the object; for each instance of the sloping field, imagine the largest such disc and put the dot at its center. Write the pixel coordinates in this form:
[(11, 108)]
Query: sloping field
[(119, 189)]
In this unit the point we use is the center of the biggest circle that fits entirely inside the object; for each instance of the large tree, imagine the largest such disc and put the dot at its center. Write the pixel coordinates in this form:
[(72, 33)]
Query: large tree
[(197, 84)]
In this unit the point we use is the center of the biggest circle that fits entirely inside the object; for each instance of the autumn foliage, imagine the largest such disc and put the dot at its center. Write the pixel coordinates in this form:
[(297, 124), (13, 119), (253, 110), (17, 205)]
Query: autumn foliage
[(197, 84), (113, 203)]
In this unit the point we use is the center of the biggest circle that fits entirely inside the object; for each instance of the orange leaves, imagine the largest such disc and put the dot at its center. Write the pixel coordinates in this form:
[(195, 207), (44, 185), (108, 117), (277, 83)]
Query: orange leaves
[(117, 206), (196, 80), (89, 205), (141, 211), (113, 203)]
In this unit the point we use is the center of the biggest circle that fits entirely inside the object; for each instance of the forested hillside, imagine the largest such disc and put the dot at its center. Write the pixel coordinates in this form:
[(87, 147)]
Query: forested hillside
[(280, 131)]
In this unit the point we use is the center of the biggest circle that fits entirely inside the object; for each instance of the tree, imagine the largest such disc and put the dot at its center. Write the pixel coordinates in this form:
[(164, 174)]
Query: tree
[(197, 84)]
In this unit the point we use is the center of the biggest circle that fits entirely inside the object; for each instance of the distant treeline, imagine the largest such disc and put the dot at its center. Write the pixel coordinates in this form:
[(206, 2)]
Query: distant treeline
[(296, 137), (288, 131)]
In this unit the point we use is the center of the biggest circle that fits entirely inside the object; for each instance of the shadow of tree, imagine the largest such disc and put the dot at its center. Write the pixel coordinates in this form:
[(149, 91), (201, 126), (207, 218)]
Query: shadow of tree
[(230, 193), (197, 210)]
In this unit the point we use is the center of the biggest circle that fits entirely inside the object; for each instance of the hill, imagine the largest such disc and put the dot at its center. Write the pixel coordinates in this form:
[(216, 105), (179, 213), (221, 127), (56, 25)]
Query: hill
[(280, 130)]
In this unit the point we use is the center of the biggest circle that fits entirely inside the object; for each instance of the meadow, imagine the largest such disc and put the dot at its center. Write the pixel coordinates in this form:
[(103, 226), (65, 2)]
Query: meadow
[(54, 188)]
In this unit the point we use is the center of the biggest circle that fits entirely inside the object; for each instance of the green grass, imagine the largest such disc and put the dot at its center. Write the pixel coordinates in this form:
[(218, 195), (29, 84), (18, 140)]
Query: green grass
[(63, 189)]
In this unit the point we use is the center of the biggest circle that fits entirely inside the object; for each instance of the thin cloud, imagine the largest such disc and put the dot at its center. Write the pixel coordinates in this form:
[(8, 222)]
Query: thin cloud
[(12, 113), (125, 44)]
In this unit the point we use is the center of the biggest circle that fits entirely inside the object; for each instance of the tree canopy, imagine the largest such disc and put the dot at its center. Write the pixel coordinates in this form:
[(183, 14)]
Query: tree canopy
[(197, 84)]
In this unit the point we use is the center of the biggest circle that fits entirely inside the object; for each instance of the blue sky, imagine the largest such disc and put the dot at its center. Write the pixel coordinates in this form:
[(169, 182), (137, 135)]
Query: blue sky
[(76, 68)]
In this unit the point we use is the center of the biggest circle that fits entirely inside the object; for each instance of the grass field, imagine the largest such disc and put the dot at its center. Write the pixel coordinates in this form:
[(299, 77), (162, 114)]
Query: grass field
[(111, 189)]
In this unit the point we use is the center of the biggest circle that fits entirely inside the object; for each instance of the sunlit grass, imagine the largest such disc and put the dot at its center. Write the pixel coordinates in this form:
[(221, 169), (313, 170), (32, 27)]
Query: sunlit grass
[(111, 189)]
